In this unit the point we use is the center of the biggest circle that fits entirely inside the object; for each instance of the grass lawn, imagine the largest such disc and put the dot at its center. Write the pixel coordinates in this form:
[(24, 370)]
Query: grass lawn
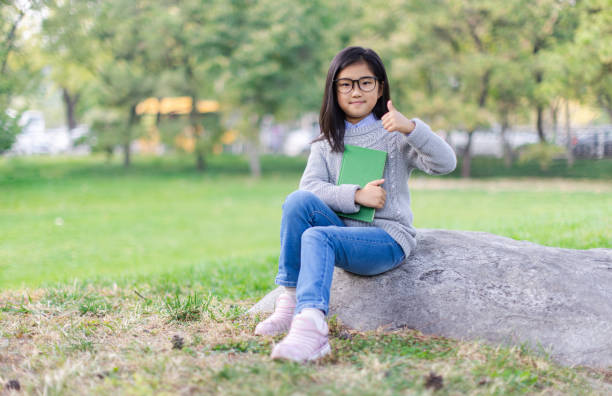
[(167, 259)]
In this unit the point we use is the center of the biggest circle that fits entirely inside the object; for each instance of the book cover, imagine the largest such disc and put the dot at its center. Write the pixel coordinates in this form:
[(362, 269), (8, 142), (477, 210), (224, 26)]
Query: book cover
[(360, 166)]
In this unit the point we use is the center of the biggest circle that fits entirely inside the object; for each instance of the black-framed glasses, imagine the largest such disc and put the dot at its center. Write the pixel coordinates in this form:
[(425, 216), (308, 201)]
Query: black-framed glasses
[(346, 85)]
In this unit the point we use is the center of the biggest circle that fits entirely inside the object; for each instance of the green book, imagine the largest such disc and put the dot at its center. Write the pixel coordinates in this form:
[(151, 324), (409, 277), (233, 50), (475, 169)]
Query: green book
[(360, 166)]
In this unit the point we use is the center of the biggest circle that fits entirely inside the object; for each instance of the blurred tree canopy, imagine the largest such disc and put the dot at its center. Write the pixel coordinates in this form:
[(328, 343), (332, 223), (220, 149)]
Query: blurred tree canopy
[(17, 74), (458, 64)]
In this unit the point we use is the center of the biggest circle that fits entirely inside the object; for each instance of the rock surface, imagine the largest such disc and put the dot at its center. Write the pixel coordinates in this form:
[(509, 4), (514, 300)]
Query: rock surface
[(480, 286)]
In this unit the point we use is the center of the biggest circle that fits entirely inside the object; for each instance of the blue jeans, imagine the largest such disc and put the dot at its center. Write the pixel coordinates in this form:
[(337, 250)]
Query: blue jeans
[(314, 240)]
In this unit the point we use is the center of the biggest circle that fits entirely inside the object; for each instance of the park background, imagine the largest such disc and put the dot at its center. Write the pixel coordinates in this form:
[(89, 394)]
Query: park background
[(144, 164)]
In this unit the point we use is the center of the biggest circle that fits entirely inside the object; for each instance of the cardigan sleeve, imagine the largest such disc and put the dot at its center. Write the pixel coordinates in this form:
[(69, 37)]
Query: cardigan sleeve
[(316, 179), (425, 150)]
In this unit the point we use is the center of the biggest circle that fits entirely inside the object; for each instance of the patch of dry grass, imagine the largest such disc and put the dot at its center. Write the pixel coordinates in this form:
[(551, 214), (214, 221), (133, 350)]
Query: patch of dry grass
[(128, 342)]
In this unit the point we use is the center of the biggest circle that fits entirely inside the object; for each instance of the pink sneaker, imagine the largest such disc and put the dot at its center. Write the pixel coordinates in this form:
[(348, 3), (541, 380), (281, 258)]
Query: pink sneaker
[(304, 342), (280, 320)]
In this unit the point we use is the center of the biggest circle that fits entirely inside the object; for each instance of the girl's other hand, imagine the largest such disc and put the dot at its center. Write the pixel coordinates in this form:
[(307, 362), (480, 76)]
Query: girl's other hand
[(396, 121), (372, 195)]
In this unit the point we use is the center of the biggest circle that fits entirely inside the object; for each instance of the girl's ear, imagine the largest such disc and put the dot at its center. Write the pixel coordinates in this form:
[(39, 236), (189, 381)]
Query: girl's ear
[(380, 89)]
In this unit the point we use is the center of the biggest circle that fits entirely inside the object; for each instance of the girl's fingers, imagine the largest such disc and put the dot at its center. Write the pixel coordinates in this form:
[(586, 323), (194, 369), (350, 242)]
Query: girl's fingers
[(389, 127), (377, 182)]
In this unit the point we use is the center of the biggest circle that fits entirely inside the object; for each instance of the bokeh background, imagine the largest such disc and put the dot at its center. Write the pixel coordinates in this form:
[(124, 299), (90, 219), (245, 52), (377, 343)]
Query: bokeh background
[(147, 136), (207, 76)]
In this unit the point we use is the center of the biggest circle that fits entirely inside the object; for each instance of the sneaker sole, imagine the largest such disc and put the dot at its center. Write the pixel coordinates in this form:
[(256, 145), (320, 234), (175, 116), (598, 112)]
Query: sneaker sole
[(324, 350), (264, 334)]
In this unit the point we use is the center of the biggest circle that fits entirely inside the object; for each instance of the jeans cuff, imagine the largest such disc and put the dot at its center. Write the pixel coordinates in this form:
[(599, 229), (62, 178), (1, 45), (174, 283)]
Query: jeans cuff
[(286, 283), (301, 305)]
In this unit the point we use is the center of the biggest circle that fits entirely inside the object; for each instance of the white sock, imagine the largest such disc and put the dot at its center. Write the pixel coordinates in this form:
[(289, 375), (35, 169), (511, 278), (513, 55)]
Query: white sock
[(290, 290), (317, 315)]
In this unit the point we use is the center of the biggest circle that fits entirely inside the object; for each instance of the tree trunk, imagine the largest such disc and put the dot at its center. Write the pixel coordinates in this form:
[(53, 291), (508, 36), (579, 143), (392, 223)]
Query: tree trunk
[(554, 113), (199, 151), (568, 134), (508, 154), (254, 162), (198, 133), (70, 103), (466, 166), (109, 153), (605, 101), (200, 161), (127, 155), (540, 123), (10, 41)]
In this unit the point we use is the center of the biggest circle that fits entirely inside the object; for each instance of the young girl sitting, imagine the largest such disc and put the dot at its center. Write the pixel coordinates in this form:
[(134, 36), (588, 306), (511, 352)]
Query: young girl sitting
[(356, 110)]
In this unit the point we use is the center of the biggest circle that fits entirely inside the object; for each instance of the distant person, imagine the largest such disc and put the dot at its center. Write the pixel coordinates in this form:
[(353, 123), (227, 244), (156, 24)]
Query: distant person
[(356, 110)]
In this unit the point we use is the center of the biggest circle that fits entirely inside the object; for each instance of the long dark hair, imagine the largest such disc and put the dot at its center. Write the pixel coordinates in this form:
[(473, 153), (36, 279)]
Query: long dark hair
[(331, 117)]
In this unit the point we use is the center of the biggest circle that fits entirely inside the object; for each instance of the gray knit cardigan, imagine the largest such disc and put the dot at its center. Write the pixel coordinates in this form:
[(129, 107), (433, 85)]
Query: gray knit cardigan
[(421, 149)]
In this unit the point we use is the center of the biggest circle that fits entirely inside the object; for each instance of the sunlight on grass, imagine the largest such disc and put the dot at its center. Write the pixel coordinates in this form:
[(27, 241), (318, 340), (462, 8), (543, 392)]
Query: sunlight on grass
[(81, 218)]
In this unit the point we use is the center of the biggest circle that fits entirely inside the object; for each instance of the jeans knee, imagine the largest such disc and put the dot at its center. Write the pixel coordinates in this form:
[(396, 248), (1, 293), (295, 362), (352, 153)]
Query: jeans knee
[(297, 200), (315, 235)]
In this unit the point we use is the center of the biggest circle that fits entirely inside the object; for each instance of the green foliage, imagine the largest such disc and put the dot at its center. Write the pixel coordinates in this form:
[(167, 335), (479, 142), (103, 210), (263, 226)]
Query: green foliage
[(456, 64), (591, 53), (19, 75), (543, 153), (8, 130), (283, 49)]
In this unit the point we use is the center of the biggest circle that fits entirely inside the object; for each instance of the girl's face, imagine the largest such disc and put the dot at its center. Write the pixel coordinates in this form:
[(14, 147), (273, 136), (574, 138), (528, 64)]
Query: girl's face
[(357, 104)]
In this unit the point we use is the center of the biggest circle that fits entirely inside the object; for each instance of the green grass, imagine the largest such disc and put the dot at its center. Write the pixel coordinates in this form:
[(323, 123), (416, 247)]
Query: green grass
[(83, 218), (577, 220), (142, 347), (59, 222), (136, 282), (487, 167)]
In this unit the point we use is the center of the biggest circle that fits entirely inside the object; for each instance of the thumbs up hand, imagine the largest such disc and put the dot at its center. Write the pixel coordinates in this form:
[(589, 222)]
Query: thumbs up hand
[(396, 121)]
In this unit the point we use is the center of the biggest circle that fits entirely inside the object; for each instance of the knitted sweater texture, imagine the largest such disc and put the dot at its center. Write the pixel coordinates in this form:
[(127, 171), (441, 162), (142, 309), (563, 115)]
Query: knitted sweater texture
[(421, 149)]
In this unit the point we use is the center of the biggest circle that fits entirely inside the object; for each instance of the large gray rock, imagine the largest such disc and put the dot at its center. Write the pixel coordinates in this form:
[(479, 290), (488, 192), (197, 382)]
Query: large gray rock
[(479, 286)]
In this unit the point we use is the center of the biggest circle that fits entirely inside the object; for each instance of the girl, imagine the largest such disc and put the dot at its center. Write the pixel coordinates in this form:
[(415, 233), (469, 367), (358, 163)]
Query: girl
[(313, 238)]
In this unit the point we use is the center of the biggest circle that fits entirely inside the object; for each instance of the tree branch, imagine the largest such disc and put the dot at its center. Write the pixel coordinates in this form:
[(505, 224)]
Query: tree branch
[(484, 90), (10, 40)]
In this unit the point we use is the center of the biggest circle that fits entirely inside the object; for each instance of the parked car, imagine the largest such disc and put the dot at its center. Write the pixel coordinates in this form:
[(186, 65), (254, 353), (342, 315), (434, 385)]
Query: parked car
[(588, 146)]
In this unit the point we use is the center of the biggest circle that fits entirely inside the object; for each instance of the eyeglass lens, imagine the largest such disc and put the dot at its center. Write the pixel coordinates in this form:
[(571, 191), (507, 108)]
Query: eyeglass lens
[(346, 85)]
